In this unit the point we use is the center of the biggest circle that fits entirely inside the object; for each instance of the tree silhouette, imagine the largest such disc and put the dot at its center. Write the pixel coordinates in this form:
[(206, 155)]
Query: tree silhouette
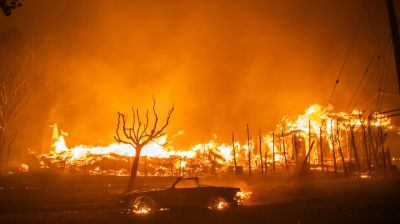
[(139, 134)]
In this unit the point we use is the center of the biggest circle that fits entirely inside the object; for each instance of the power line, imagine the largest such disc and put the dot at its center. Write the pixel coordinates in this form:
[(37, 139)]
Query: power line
[(361, 81), (383, 72), (345, 62), (369, 68), (384, 77), (371, 22)]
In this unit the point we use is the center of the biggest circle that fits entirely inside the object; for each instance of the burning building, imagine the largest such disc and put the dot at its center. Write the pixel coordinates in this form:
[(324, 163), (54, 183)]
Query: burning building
[(319, 139)]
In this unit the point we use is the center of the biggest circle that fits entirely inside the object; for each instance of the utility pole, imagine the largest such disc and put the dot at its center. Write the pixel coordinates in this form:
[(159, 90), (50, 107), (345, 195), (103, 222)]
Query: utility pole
[(395, 37)]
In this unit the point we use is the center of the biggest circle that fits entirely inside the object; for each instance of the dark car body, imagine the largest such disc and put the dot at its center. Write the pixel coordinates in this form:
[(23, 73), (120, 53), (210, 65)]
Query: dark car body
[(196, 196)]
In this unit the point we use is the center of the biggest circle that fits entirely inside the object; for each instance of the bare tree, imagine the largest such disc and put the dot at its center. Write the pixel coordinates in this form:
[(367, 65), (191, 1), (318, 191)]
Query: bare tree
[(139, 134), (16, 84)]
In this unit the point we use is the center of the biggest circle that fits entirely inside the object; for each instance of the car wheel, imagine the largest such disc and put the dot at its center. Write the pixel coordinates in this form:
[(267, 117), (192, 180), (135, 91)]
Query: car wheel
[(144, 205), (217, 203)]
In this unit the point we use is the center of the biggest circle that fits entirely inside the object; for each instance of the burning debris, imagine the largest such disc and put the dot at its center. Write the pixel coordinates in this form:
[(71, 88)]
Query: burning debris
[(319, 139)]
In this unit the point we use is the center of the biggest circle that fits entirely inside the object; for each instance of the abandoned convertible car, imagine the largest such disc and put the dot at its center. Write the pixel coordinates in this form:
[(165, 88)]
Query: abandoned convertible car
[(185, 192)]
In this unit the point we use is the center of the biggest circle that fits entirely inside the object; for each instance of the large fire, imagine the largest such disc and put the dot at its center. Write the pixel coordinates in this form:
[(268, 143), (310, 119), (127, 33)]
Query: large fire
[(320, 138)]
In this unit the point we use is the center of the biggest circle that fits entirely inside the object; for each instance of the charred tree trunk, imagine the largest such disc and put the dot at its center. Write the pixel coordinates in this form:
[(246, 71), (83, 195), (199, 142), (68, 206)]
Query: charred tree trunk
[(138, 135), (135, 165)]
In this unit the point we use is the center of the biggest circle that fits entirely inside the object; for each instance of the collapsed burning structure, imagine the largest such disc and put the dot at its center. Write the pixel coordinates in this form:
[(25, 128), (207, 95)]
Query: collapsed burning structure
[(318, 140)]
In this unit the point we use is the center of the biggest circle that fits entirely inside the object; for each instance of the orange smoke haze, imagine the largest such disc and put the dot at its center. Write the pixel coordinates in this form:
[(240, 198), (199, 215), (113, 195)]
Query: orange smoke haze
[(221, 63)]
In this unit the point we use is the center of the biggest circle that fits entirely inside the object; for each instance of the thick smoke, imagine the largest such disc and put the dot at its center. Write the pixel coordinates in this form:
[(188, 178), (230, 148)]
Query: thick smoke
[(221, 63)]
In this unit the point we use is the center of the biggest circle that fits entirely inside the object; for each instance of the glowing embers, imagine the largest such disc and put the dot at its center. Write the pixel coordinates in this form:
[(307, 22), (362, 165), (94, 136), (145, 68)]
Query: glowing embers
[(143, 206), (217, 204), (242, 196), (331, 137), (365, 175)]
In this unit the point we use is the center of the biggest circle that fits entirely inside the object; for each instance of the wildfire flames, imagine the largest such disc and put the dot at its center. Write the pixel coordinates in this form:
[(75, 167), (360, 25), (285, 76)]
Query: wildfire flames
[(330, 139)]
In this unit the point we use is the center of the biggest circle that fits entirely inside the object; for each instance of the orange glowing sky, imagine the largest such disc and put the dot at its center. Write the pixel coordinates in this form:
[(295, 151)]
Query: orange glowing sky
[(221, 63)]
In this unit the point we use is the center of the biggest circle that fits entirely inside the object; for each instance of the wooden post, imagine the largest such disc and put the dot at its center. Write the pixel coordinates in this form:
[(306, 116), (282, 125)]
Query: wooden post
[(284, 149), (353, 144), (374, 154), (248, 145), (321, 148), (234, 154), (382, 148), (261, 157), (333, 147), (367, 164), (303, 168), (340, 147), (273, 152)]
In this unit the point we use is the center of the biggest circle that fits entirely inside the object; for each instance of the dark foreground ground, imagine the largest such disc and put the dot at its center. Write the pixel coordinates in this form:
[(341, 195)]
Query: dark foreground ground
[(50, 198)]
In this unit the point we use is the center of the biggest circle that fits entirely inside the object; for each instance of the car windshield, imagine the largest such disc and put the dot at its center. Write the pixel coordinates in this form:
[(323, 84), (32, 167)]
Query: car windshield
[(186, 183)]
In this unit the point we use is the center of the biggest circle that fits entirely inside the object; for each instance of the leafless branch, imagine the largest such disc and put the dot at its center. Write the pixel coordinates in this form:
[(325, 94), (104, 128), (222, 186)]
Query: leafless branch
[(155, 117), (141, 135), (117, 136), (132, 130)]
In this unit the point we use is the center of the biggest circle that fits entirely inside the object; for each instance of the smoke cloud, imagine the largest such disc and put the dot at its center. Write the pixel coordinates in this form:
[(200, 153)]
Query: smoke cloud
[(221, 63)]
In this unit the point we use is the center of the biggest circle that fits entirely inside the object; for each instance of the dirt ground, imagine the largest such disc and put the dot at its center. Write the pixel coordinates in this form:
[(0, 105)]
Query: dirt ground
[(61, 198)]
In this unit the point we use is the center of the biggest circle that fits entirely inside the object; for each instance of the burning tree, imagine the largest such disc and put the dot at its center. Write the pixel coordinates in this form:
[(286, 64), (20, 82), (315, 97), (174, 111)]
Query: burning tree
[(139, 134)]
